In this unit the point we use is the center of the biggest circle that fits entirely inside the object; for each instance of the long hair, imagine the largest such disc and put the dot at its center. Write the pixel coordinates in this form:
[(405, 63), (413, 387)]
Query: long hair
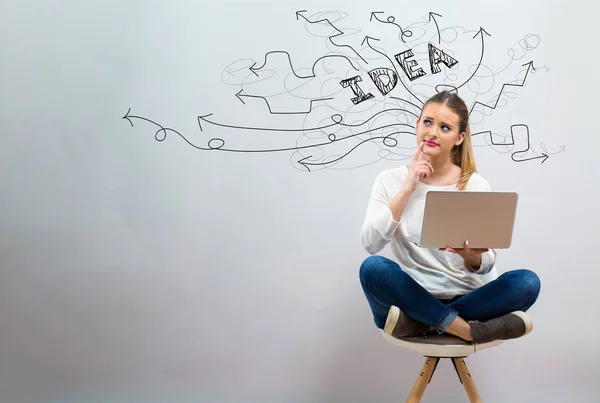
[(462, 154)]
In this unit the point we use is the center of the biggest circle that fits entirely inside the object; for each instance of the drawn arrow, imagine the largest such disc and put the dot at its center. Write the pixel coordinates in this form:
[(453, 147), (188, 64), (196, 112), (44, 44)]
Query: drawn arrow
[(392, 64), (384, 138), (391, 20), (312, 75), (339, 33), (128, 117), (336, 118), (543, 156), (480, 32), (238, 97), (289, 59), (374, 16), (305, 164), (431, 16), (218, 143), (529, 66), (366, 39), (310, 107)]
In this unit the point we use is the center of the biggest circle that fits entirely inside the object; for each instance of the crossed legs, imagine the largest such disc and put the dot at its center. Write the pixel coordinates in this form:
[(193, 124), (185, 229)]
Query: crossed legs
[(385, 284)]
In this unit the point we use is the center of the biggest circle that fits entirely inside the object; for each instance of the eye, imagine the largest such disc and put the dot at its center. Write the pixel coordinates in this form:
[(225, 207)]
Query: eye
[(426, 121), (445, 128)]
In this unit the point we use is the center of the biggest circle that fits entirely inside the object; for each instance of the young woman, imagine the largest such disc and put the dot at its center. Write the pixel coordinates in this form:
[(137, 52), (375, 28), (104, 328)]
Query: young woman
[(429, 290)]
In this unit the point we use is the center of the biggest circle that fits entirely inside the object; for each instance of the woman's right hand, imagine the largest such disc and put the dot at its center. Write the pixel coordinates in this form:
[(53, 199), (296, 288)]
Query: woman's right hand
[(418, 169)]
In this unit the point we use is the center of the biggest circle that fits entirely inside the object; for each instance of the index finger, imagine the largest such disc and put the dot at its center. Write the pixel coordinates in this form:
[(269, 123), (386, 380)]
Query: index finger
[(418, 152)]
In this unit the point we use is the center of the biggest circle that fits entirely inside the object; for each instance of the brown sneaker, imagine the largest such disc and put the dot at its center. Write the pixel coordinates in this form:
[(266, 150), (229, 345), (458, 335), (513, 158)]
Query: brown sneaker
[(398, 324), (511, 326), (444, 339)]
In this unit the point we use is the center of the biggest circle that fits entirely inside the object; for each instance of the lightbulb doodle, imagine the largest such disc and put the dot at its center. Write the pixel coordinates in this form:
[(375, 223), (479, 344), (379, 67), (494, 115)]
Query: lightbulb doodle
[(358, 103)]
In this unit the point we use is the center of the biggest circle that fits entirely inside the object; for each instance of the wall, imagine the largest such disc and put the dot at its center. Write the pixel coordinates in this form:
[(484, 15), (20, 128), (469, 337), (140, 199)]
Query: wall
[(137, 270)]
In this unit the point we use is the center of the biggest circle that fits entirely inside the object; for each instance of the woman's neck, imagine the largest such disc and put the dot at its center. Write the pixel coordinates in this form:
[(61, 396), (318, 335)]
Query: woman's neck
[(444, 172)]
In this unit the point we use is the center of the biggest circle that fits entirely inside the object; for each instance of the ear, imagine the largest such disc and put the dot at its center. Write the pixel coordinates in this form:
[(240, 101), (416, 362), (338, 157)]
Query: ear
[(460, 139)]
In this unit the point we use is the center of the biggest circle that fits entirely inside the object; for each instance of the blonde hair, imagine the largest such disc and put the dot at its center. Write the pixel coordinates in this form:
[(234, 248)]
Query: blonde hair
[(462, 154)]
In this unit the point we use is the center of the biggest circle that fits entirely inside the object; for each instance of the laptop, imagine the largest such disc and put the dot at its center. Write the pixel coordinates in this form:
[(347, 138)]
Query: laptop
[(484, 218)]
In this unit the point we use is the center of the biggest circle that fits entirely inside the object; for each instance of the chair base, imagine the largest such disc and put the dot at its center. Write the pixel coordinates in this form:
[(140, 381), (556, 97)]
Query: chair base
[(426, 374)]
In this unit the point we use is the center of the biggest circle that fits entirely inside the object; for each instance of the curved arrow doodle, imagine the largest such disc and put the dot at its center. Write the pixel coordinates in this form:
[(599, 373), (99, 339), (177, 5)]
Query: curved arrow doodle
[(332, 130), (544, 156), (339, 33), (310, 107), (215, 143), (431, 16), (310, 76), (313, 75), (392, 20), (480, 32), (384, 138), (336, 118)]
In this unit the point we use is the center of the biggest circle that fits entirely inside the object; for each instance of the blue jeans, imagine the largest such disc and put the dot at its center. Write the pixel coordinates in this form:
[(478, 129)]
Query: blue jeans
[(385, 283)]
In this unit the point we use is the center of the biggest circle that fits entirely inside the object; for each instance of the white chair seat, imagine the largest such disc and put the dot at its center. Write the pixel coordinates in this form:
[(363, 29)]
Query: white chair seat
[(440, 345)]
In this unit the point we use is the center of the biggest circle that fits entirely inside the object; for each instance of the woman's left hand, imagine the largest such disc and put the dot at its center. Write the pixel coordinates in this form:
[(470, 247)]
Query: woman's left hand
[(466, 252)]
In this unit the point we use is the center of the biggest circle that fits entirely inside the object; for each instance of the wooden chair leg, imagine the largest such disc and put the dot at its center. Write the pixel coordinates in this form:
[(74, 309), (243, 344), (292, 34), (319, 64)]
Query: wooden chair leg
[(423, 380), (466, 379)]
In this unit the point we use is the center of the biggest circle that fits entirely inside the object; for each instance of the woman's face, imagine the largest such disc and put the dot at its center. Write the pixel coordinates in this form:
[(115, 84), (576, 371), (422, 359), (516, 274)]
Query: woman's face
[(438, 128)]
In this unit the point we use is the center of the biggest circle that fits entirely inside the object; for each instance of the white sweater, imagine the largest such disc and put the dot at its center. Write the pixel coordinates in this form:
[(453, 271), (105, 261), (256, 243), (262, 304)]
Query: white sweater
[(442, 273)]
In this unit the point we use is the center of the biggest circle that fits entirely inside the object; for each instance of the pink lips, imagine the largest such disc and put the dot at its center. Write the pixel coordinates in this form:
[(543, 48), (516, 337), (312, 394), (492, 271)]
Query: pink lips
[(430, 143)]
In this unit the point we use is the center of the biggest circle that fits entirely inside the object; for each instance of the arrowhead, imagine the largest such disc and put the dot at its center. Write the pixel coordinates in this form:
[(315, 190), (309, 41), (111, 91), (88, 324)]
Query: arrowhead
[(373, 14), (298, 13), (303, 164), (366, 38), (530, 64), (544, 67), (431, 15), (127, 117), (203, 118), (546, 156), (238, 96), (481, 32), (251, 68)]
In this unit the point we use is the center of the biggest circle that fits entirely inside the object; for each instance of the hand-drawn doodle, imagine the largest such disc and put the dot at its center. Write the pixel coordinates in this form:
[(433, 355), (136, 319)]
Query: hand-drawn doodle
[(522, 142), (391, 20), (338, 32), (351, 99)]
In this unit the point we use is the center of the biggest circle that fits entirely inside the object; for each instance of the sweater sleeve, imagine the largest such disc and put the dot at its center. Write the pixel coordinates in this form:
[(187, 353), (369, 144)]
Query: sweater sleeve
[(488, 260), (379, 225)]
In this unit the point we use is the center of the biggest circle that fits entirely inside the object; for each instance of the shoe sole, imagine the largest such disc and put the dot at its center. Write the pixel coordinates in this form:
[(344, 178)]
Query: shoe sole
[(392, 319), (526, 319)]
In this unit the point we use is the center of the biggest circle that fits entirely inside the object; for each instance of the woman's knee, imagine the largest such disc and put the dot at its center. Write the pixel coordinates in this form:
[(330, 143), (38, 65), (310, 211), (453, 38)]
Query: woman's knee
[(374, 266), (370, 266), (529, 282)]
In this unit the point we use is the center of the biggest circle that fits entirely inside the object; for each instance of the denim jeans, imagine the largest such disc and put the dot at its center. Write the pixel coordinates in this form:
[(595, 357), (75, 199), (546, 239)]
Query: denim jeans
[(385, 283)]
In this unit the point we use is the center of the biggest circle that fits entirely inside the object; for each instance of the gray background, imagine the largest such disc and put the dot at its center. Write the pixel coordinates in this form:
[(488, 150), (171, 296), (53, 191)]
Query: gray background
[(142, 271)]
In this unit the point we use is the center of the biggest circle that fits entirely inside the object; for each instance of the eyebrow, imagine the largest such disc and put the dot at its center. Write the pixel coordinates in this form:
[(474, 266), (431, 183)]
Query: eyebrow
[(430, 118)]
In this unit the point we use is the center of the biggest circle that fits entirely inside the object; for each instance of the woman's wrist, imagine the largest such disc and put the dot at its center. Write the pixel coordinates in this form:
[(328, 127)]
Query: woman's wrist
[(473, 262)]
